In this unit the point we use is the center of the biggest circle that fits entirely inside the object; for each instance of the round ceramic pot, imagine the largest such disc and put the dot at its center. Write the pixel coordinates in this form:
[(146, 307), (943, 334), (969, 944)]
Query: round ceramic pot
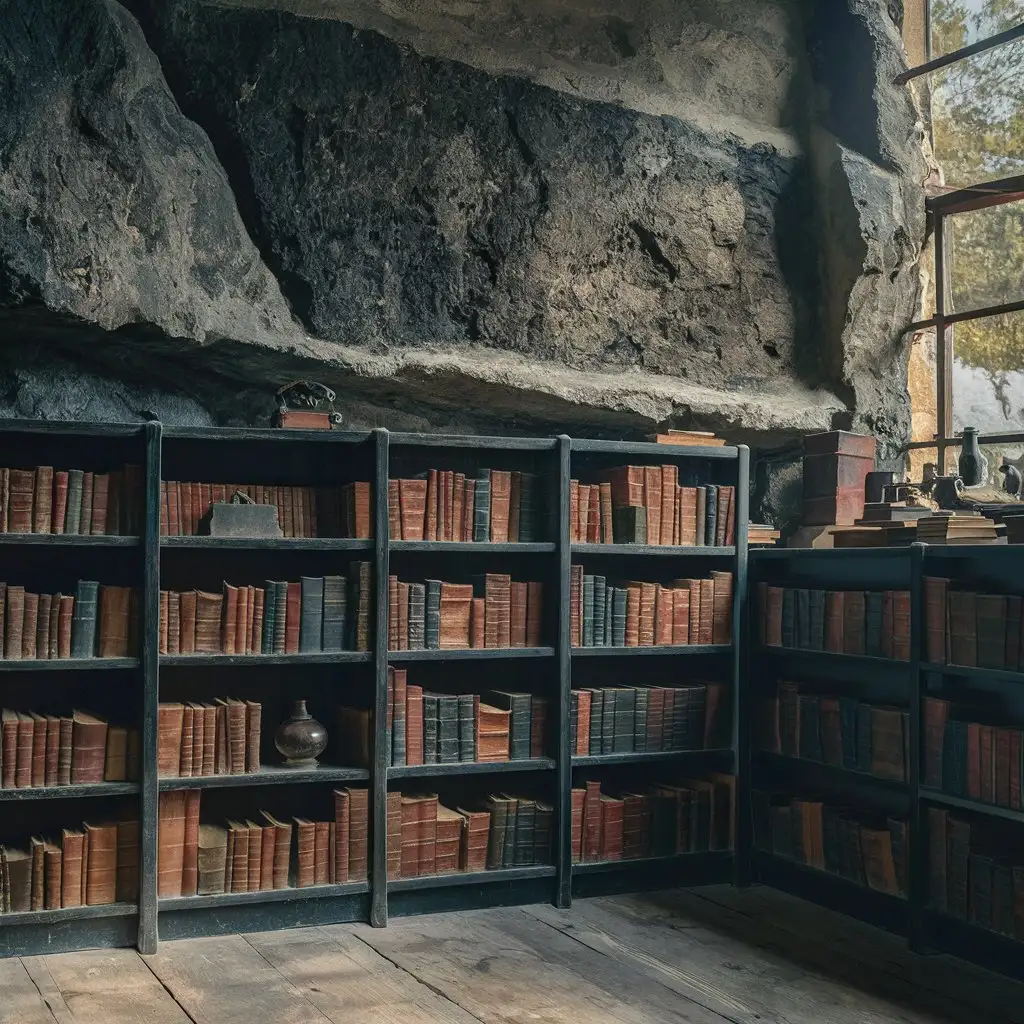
[(300, 739)]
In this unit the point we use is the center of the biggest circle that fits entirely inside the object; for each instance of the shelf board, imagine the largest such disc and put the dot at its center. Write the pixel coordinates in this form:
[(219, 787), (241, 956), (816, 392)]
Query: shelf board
[(268, 775), (677, 550), (68, 914), (267, 543), (66, 664), (443, 547), (825, 658), (651, 757), (511, 444), (66, 540), (666, 649), (668, 452), (413, 771), (472, 654), (226, 660), (233, 899), (287, 436), (70, 792), (993, 950), (595, 867), (994, 675), (813, 772), (471, 878), (963, 804)]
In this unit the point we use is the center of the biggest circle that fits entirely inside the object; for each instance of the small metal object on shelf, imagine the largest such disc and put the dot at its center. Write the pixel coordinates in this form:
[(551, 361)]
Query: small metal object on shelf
[(306, 405), (241, 517)]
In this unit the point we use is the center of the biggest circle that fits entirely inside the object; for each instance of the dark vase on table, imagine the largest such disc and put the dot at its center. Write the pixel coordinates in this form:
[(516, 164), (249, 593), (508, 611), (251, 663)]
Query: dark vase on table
[(973, 466), (300, 739)]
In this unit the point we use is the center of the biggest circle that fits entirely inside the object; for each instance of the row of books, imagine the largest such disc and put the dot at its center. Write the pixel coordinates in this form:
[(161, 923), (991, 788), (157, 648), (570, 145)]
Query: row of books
[(646, 505), (427, 838), (92, 865), (248, 856), (968, 757), (314, 614), (648, 719), (875, 623), (345, 511), (840, 731), (497, 506), (967, 628), (661, 820), (635, 614), (195, 739), (976, 872), (492, 611), (863, 848), (439, 728), (44, 500), (94, 622), (66, 750)]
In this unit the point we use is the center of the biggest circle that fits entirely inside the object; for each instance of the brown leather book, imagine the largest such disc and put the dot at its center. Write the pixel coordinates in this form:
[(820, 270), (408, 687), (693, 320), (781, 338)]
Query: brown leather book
[(51, 732), (645, 628), (477, 620), (21, 492), (652, 500), (538, 726), (321, 864), (476, 831), (198, 736), (900, 601), (253, 719), (100, 500), (188, 716), (721, 619), (583, 723), (305, 831), (254, 866), (412, 811), (456, 606), (574, 512), (853, 622), (115, 764), (36, 852), (127, 889), (414, 725), (208, 622), (43, 627), (190, 849), (9, 723), (393, 617), (268, 847), (394, 834), (30, 626), (238, 843), (669, 485), (577, 798), (212, 861), (535, 614), (14, 622), (282, 850), (236, 735), (23, 762), (171, 843), (705, 628), (170, 727), (468, 506), (412, 505), (831, 730), (611, 810), (16, 877), (501, 492), (492, 733), (592, 822), (1001, 766), (359, 827), (833, 621), (72, 851), (187, 622), (243, 622), (448, 841), (341, 835), (355, 735), (963, 629), (293, 618), (101, 874), (583, 512), (209, 739), (53, 875), (594, 515), (633, 602), (52, 629), (879, 868), (60, 501), (518, 601), (576, 606), (680, 615), (38, 749), (936, 715), (496, 590), (85, 518), (935, 619), (402, 637), (164, 644), (89, 748), (65, 613), (230, 623), (664, 615), (887, 743), (173, 621), (987, 764)]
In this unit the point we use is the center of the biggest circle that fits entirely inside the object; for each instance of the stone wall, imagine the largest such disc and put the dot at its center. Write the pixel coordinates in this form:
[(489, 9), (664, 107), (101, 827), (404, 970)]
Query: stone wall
[(599, 216)]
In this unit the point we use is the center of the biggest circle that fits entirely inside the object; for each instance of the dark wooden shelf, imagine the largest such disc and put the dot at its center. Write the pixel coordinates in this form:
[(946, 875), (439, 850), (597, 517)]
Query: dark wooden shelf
[(268, 775), (234, 899), (669, 452), (471, 441), (66, 664), (443, 547), (70, 792), (68, 914), (471, 878), (414, 771), (290, 436), (977, 806), (230, 660), (677, 550), (819, 773), (664, 650), (824, 659), (472, 654), (595, 867), (66, 540), (698, 757), (267, 544), (993, 675), (993, 950)]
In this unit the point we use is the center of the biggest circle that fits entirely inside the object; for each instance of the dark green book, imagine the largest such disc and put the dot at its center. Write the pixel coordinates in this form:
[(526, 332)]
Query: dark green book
[(848, 730), (600, 592), (335, 612), (625, 710), (816, 634), (83, 620), (432, 615), (803, 619), (588, 610), (447, 729), (619, 616), (482, 507), (526, 815), (629, 524), (873, 601), (528, 525), (508, 853), (269, 617), (609, 600), (574, 720), (789, 617), (640, 698), (710, 514), (864, 738), (543, 816), (417, 616), (596, 715), (810, 728), (608, 704), (430, 728), (498, 806), (311, 614), (519, 706), (467, 727)]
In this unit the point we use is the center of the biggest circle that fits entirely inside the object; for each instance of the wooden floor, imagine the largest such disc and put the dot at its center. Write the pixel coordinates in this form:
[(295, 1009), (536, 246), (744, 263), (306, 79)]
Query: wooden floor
[(705, 957)]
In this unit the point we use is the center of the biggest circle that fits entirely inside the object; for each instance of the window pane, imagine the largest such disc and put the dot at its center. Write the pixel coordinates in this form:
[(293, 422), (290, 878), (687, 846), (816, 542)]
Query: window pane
[(958, 23), (988, 373), (978, 108), (986, 256)]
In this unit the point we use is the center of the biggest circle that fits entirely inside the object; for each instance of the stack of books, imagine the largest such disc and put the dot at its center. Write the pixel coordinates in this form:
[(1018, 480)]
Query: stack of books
[(73, 501), (689, 816), (497, 506), (248, 856), (222, 738), (963, 627), (762, 534), (649, 719), (89, 866), (840, 731), (688, 438), (318, 613), (70, 750), (637, 614), (866, 849), (301, 511), (492, 611), (960, 528)]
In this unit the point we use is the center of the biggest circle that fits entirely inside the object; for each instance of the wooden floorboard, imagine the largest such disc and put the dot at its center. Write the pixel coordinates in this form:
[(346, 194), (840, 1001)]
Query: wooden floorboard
[(21, 1002)]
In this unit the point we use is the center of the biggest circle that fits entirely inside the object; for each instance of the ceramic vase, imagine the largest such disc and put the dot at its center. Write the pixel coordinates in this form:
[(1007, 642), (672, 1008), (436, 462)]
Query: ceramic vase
[(300, 739), (973, 466)]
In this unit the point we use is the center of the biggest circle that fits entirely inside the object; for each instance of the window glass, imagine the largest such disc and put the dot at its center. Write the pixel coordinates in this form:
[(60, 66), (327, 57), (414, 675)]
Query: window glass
[(988, 373), (985, 256), (958, 23)]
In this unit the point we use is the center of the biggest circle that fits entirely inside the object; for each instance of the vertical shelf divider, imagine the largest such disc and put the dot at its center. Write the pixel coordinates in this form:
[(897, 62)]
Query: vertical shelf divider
[(150, 675), (381, 737), (741, 704), (563, 808), (916, 832)]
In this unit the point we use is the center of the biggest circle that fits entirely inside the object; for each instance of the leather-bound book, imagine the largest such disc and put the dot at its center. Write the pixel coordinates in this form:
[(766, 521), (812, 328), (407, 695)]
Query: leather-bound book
[(116, 758), (187, 738), (83, 620), (834, 621), (413, 509), (611, 810), (900, 606), (170, 727), (190, 851), (575, 606), (721, 625), (887, 743), (394, 835), (42, 643), (100, 500), (15, 881), (101, 871), (593, 535), (208, 754), (414, 725), (38, 749), (253, 720), (358, 833), (448, 841), (987, 767), (230, 623), (492, 733), (258, 599), (171, 843), (577, 798), (393, 613), (518, 598), (664, 614), (879, 867), (72, 852), (592, 822), (680, 602), (394, 510), (534, 613), (362, 583), (705, 634), (342, 835), (65, 617), (127, 878), (633, 609), (85, 517), (236, 721), (213, 846), (936, 715), (9, 747), (242, 623), (476, 832), (935, 618), (53, 877), (666, 518), (963, 630), (50, 728), (991, 630), (164, 641), (853, 622), (334, 612), (254, 863), (282, 850), (311, 602), (30, 626), (268, 847), (454, 616), (21, 485), (23, 757), (238, 847), (412, 810), (198, 737), (645, 623), (90, 748), (1001, 766), (321, 846), (501, 486), (52, 629), (170, 622)]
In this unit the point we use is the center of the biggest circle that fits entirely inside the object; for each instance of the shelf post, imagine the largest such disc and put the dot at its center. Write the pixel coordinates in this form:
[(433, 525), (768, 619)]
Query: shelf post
[(563, 808), (742, 839), (917, 854)]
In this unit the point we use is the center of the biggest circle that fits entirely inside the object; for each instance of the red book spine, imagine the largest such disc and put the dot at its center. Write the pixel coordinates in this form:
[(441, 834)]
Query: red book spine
[(292, 618)]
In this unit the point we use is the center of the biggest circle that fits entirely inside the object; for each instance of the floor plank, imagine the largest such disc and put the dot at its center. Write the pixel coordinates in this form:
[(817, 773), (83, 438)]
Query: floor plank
[(730, 977), (501, 966), (350, 983), (225, 980), (100, 985), (20, 1001)]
